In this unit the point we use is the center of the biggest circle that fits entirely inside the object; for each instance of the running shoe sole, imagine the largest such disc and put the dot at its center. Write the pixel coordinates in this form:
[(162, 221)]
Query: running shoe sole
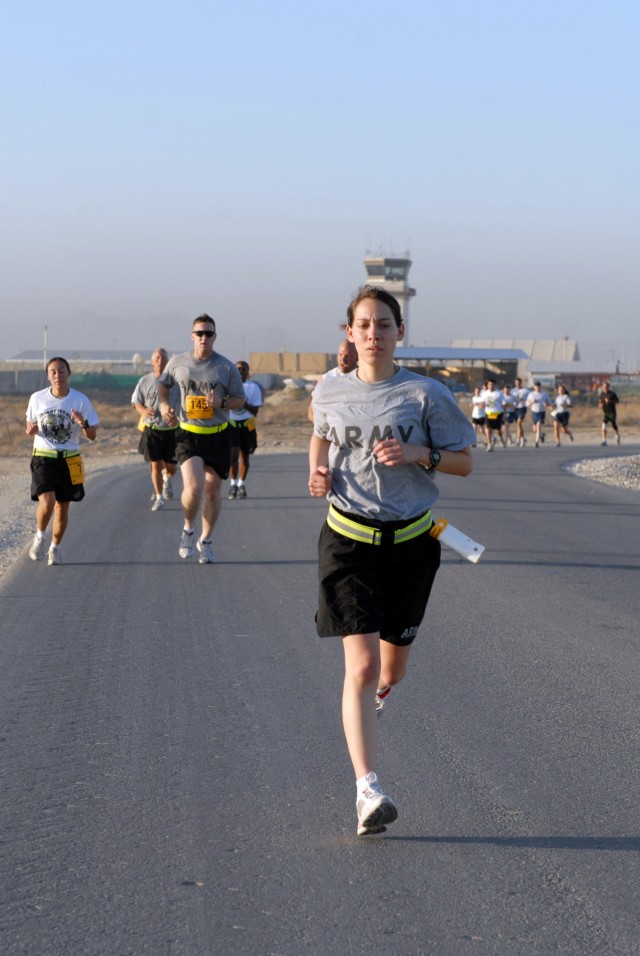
[(377, 818), (372, 831)]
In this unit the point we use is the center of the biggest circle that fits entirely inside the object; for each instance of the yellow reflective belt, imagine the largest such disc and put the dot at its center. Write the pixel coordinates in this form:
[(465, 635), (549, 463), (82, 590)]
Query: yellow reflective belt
[(45, 453), (366, 535), (203, 429)]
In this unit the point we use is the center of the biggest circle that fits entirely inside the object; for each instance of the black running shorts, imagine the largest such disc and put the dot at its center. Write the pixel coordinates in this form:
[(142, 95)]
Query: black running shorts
[(52, 474), (246, 439), (158, 444), (215, 450), (366, 588)]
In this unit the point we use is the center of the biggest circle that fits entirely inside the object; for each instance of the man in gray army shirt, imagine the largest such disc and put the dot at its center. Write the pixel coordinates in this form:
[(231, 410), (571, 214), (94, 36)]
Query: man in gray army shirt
[(210, 386), (158, 440)]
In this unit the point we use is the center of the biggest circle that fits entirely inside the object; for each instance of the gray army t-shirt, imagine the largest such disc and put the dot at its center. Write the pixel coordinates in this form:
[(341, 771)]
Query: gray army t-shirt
[(146, 393), (195, 380), (353, 415)]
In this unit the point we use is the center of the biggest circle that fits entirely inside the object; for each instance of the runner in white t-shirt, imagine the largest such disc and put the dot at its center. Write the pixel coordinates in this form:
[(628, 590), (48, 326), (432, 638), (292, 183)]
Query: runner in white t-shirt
[(509, 413), (561, 413), (244, 437), (56, 417), (538, 401), (493, 409), (519, 395), (478, 418)]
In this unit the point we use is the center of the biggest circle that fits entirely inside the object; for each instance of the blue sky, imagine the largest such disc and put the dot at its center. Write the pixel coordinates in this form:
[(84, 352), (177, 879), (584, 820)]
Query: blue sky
[(161, 159)]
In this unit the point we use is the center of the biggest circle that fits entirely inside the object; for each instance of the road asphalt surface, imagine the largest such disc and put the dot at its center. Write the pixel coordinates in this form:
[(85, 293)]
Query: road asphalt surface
[(174, 776)]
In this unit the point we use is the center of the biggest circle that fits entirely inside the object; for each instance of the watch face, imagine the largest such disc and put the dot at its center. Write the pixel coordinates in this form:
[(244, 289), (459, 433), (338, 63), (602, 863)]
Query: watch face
[(435, 458)]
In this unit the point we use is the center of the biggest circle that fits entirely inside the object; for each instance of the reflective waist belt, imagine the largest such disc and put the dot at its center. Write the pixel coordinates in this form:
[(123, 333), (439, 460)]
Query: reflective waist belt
[(46, 453), (203, 429), (363, 533)]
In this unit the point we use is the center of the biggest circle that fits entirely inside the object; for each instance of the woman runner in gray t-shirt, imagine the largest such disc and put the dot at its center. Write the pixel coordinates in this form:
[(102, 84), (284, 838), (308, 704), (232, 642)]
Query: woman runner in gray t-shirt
[(380, 433)]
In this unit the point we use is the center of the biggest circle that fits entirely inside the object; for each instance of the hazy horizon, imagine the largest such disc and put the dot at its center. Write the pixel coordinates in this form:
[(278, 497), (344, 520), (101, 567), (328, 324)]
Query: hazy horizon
[(163, 161)]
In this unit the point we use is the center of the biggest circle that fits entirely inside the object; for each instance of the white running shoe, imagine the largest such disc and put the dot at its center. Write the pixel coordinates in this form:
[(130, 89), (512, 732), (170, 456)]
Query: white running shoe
[(53, 556), (37, 549), (206, 552), (167, 487), (374, 808), (158, 503), (186, 549)]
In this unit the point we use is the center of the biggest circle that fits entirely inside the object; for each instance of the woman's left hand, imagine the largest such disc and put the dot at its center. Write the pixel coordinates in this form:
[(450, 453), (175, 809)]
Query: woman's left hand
[(391, 451)]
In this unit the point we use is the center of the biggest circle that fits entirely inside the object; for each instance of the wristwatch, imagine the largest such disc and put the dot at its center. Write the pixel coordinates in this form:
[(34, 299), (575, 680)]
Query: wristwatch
[(434, 458)]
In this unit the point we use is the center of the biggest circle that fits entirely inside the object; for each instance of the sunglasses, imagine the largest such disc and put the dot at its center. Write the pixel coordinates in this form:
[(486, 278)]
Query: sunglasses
[(204, 335)]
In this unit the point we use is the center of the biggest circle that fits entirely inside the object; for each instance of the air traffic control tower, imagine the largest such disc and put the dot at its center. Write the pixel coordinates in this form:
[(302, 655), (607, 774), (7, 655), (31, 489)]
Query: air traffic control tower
[(392, 273)]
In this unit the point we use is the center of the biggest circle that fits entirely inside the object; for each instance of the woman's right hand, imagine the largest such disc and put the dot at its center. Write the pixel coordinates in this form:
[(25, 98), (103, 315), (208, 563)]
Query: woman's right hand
[(320, 482)]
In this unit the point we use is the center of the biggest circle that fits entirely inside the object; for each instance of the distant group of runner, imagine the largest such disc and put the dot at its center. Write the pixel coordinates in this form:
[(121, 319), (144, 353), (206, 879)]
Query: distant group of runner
[(196, 410), (495, 411)]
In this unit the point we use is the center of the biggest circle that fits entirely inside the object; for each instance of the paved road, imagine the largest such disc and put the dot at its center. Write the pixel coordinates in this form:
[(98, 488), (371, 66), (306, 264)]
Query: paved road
[(174, 779)]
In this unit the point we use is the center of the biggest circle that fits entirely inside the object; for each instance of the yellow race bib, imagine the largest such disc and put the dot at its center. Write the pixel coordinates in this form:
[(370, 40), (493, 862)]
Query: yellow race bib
[(196, 407), (76, 469)]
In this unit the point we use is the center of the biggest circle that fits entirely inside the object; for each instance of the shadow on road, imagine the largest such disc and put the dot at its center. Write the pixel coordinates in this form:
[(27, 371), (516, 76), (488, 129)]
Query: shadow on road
[(611, 843)]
